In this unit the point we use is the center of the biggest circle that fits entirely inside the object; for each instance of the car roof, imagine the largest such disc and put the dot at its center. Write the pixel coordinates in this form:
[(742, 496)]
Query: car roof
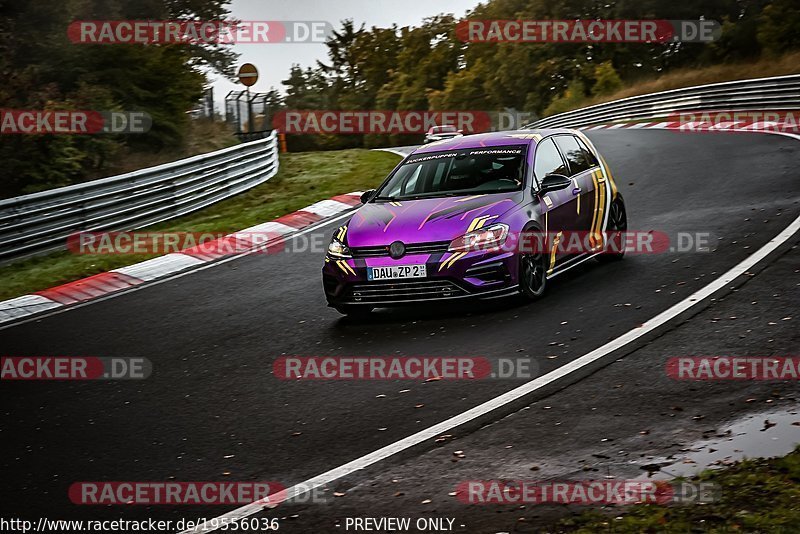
[(488, 139)]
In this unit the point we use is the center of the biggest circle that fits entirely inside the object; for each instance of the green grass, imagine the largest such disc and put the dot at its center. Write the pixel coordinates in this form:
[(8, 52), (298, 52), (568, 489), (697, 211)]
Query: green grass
[(304, 178), (758, 495)]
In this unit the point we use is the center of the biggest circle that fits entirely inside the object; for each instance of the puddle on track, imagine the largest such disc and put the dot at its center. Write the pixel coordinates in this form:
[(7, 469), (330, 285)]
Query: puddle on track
[(762, 435)]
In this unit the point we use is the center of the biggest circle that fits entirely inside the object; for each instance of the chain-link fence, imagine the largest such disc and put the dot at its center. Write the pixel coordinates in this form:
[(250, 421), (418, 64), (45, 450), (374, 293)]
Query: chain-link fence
[(248, 113)]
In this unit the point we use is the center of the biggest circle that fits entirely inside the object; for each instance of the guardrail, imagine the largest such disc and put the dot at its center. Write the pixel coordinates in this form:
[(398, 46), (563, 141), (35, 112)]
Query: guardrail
[(776, 93), (43, 221)]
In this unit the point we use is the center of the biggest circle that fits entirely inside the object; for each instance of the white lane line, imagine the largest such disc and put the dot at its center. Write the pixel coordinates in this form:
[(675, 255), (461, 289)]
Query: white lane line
[(515, 394), (208, 265)]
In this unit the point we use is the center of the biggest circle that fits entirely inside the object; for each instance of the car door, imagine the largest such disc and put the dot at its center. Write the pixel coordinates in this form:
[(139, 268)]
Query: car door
[(583, 167), (558, 206), (602, 191)]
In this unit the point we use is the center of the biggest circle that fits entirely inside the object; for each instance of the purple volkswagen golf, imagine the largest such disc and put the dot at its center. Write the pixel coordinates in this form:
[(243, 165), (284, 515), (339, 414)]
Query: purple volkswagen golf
[(452, 219)]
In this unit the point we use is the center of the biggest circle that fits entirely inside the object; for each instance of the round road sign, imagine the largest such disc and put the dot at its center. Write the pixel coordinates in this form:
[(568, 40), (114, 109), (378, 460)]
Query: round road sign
[(248, 74)]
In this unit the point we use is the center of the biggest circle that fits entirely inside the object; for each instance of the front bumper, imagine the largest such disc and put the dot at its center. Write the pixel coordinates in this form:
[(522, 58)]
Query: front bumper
[(451, 276)]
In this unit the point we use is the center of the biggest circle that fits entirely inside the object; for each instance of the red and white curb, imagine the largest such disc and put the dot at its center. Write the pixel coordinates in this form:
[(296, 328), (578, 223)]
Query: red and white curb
[(126, 277)]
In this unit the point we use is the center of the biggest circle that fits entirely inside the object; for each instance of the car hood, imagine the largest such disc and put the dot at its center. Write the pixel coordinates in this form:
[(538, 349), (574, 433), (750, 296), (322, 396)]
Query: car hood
[(426, 220)]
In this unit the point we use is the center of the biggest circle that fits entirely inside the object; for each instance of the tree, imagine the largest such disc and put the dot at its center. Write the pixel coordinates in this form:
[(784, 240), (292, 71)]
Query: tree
[(779, 27), (42, 70), (568, 100), (606, 79)]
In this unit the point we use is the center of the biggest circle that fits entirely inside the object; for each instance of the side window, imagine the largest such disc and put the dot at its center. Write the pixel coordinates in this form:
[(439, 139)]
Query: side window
[(590, 157), (575, 155), (407, 181), (441, 169), (548, 160), (411, 183)]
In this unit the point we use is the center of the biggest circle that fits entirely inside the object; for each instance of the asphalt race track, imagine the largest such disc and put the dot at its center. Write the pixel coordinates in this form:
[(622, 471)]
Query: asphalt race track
[(212, 409)]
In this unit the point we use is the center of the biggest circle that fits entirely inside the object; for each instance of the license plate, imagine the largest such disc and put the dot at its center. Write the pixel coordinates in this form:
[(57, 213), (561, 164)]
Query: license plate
[(396, 272)]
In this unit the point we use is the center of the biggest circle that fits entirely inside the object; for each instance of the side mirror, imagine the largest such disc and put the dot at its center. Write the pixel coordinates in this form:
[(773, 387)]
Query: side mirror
[(554, 182), (366, 196)]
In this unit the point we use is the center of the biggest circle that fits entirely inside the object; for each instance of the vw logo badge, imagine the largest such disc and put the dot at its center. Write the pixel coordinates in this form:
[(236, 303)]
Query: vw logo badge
[(397, 250)]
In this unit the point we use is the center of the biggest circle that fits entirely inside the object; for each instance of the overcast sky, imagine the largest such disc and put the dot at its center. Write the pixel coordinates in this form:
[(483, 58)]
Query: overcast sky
[(274, 60)]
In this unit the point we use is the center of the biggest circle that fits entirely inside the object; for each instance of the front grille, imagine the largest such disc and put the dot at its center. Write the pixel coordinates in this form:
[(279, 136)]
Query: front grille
[(399, 291), (411, 248)]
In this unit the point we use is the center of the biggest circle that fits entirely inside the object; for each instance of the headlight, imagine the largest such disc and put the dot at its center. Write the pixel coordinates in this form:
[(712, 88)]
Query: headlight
[(337, 249), (486, 238)]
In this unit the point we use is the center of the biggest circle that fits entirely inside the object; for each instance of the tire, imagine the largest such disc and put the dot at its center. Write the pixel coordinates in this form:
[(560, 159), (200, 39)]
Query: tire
[(532, 274), (354, 311), (617, 223)]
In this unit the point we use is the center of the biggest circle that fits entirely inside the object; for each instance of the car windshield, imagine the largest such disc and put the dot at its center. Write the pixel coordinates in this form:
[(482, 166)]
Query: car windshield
[(457, 172)]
